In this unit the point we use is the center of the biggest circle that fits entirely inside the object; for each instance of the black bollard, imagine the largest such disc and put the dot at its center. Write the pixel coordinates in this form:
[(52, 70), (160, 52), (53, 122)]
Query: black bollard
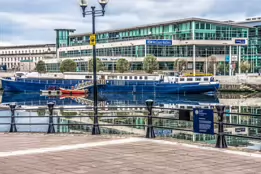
[(51, 125), (12, 125), (150, 132), (221, 139)]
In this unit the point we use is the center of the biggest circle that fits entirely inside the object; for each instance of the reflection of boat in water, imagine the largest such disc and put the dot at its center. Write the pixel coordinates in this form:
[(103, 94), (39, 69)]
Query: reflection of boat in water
[(159, 99), (111, 99), (35, 99), (75, 96)]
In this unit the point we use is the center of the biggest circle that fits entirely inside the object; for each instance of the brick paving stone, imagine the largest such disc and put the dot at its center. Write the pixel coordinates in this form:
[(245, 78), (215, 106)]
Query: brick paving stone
[(136, 157)]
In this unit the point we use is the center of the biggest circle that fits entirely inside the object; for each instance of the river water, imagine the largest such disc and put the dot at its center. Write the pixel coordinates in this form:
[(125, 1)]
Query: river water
[(236, 103)]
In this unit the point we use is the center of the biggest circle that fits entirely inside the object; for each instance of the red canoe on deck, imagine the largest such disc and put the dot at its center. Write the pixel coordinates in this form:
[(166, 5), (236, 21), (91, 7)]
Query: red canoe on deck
[(72, 91)]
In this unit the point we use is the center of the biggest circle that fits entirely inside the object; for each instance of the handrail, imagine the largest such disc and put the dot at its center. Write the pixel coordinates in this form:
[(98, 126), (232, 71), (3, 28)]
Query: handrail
[(128, 120)]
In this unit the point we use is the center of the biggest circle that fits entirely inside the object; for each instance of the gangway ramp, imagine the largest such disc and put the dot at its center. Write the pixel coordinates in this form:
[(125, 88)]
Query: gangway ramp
[(85, 85)]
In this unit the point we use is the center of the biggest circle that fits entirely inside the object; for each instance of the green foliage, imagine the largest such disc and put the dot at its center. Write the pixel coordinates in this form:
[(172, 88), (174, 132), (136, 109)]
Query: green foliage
[(122, 65), (211, 64), (41, 112), (69, 114), (99, 65), (150, 64), (179, 64), (40, 67), (223, 68), (68, 65), (245, 66)]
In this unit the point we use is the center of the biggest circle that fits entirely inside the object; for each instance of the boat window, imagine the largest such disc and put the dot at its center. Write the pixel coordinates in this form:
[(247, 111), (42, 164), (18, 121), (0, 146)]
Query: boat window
[(125, 77), (135, 77), (140, 77), (120, 77), (181, 79), (198, 79), (130, 77), (189, 79), (205, 79), (146, 78)]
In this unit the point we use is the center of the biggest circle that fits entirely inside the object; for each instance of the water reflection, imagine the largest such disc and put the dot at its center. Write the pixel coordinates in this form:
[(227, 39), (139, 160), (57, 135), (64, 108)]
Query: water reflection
[(109, 99), (236, 104)]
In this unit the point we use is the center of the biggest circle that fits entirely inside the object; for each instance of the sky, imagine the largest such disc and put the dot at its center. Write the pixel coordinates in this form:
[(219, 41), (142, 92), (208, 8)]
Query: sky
[(33, 21)]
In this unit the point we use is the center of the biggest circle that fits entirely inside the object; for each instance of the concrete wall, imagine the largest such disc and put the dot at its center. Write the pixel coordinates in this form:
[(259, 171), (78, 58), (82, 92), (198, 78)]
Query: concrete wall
[(250, 79)]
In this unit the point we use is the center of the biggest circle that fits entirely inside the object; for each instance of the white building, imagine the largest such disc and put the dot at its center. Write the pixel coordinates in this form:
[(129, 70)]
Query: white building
[(25, 57)]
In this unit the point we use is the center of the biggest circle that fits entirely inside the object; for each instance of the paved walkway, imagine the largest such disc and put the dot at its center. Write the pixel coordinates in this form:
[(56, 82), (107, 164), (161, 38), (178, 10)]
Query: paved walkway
[(79, 154)]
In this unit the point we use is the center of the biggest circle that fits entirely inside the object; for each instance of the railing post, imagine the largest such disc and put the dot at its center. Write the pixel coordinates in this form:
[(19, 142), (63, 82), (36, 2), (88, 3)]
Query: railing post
[(51, 126), (221, 139), (150, 132), (12, 125)]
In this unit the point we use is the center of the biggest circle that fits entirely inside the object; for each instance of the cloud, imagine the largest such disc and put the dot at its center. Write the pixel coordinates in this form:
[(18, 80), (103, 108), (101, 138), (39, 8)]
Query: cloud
[(24, 21)]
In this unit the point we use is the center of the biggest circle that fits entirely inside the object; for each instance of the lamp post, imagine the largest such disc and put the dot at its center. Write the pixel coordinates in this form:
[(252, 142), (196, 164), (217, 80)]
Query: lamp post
[(94, 13)]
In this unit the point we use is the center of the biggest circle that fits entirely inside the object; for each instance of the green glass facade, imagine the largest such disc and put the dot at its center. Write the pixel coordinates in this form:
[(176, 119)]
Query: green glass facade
[(198, 30), (183, 31), (62, 37), (252, 53), (208, 31)]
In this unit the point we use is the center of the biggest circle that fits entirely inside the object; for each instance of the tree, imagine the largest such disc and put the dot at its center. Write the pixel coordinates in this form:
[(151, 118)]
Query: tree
[(180, 64), (150, 64), (68, 65), (212, 65), (245, 66), (223, 68), (40, 67), (122, 65), (99, 65)]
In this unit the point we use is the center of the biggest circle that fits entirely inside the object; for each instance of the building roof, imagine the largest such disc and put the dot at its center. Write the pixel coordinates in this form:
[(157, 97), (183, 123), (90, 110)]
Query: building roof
[(28, 46), (166, 23), (64, 29)]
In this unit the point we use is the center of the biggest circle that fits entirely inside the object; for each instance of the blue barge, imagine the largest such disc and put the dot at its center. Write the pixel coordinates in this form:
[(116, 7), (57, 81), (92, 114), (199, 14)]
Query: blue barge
[(168, 83)]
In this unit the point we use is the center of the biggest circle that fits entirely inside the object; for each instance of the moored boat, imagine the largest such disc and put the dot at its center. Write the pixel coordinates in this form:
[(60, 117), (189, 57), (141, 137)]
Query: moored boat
[(73, 91), (168, 83)]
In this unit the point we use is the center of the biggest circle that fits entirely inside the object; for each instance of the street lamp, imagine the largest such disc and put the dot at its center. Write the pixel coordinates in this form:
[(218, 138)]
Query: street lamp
[(94, 13)]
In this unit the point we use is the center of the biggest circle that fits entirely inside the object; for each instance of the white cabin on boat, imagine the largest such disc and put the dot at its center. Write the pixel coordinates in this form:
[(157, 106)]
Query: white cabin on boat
[(166, 77)]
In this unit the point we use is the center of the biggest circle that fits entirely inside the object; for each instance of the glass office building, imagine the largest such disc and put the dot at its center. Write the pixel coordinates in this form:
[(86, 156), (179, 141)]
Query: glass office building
[(197, 41)]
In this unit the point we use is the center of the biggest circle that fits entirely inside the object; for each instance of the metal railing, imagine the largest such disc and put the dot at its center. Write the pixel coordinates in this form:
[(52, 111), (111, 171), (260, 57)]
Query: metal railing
[(149, 115)]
